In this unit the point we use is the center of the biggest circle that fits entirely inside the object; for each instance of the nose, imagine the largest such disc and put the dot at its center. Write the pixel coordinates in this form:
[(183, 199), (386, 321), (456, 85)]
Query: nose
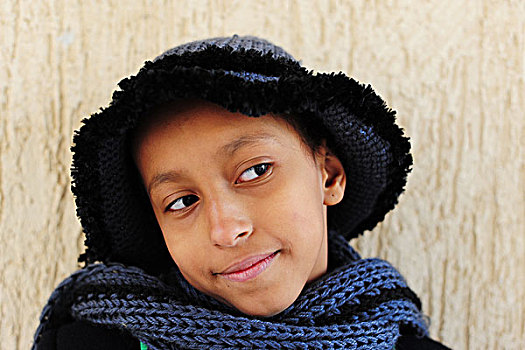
[(228, 223)]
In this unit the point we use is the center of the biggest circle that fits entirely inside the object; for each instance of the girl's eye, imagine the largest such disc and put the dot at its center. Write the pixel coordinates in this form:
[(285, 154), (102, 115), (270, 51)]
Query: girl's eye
[(182, 202), (254, 172)]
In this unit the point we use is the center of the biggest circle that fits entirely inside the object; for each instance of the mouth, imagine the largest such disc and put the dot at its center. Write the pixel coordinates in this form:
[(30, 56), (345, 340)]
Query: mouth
[(249, 268)]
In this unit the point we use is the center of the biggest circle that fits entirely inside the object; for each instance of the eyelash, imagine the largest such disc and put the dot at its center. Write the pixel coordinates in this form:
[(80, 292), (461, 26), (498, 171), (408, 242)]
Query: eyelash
[(181, 199), (267, 168)]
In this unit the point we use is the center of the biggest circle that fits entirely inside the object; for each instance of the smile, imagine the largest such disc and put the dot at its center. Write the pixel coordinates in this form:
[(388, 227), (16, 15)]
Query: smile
[(248, 268)]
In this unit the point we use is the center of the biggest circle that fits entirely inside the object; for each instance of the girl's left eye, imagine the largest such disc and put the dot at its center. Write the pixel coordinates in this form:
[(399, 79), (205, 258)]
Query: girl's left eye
[(254, 172)]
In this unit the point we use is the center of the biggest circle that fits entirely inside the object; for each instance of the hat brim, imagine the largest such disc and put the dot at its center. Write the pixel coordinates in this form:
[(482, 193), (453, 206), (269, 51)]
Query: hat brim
[(111, 203)]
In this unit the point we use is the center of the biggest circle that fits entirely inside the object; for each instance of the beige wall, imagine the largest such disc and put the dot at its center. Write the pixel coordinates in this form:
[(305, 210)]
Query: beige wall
[(454, 70)]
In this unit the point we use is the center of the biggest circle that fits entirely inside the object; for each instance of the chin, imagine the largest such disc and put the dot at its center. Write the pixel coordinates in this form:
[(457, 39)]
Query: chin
[(262, 310), (269, 302)]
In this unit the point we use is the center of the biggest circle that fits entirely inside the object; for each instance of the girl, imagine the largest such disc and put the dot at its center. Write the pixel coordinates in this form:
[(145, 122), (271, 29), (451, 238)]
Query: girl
[(217, 193)]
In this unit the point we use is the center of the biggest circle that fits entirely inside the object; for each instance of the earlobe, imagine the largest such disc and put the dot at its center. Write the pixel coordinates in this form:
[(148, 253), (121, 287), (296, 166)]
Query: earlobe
[(334, 177)]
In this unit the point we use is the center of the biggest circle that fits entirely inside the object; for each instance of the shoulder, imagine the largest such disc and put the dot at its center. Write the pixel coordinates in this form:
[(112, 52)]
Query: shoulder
[(409, 342), (83, 336)]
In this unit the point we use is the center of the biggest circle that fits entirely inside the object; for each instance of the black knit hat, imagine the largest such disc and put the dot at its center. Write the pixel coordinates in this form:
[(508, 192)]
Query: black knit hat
[(247, 75)]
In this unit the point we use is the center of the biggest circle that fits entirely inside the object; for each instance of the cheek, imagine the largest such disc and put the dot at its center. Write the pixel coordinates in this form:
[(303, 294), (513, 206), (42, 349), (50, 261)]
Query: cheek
[(304, 198), (186, 254), (299, 207)]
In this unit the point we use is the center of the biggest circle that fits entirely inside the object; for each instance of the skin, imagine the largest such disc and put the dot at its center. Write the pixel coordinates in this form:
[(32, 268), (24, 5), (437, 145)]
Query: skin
[(215, 209)]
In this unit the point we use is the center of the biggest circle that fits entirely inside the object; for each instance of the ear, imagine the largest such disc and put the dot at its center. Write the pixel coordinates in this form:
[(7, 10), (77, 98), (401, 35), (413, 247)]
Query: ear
[(333, 175)]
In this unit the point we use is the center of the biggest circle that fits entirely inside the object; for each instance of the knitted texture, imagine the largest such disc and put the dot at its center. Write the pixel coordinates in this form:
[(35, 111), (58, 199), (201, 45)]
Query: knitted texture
[(246, 75), (235, 42), (359, 304)]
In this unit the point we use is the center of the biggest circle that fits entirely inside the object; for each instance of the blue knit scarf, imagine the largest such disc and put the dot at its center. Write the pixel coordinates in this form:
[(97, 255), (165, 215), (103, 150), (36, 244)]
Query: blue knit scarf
[(357, 304)]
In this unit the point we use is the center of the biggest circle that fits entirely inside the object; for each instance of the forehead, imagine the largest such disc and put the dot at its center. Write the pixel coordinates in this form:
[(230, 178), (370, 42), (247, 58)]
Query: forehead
[(198, 118)]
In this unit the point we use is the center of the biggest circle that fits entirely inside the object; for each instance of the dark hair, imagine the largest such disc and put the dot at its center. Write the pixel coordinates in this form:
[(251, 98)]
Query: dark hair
[(312, 131)]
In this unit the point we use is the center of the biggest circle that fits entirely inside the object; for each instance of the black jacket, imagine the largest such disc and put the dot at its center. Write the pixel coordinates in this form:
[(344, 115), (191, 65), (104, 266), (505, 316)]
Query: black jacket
[(83, 336)]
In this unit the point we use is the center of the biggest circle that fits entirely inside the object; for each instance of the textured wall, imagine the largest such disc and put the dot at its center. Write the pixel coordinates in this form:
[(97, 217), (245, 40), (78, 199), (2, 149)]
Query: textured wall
[(454, 70)]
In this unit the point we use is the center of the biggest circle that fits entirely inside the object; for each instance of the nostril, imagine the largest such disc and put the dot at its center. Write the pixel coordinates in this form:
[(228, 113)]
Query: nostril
[(242, 234)]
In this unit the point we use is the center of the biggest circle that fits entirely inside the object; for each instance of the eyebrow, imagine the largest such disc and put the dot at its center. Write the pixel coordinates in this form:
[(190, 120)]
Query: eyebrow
[(246, 140), (228, 150)]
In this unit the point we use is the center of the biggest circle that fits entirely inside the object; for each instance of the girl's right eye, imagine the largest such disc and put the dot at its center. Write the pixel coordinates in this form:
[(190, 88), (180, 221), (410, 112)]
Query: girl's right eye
[(182, 202)]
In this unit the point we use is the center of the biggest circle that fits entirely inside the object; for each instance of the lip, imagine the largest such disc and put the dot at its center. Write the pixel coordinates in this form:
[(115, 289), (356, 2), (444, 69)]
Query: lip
[(248, 268)]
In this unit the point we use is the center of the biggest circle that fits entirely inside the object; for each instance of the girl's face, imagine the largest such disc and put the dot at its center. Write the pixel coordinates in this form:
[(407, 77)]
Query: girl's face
[(241, 203)]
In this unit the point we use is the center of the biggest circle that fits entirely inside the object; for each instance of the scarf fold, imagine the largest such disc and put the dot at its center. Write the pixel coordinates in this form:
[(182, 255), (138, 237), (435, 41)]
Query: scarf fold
[(357, 304)]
